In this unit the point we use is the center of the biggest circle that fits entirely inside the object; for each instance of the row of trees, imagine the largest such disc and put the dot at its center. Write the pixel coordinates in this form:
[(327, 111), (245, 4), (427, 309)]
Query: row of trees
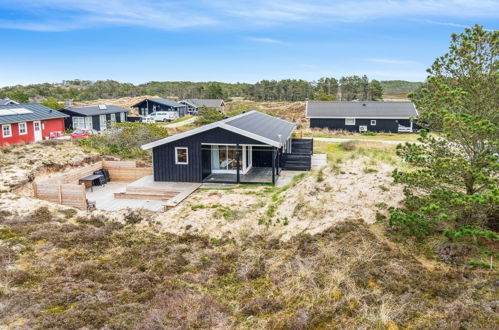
[(346, 88)]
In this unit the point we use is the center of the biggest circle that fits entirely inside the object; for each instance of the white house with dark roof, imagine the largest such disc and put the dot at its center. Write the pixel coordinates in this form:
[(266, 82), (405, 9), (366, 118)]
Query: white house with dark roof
[(193, 105), (360, 116)]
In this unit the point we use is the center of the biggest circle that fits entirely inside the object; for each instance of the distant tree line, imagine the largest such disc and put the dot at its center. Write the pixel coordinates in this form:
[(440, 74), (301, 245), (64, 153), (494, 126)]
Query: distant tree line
[(346, 88)]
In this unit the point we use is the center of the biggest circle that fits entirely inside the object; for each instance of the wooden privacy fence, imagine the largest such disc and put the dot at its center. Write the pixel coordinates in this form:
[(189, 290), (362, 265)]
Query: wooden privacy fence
[(125, 171), (73, 195), (64, 189)]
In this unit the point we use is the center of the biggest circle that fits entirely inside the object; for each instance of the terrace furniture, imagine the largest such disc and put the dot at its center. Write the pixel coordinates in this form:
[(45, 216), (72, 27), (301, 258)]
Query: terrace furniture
[(90, 180)]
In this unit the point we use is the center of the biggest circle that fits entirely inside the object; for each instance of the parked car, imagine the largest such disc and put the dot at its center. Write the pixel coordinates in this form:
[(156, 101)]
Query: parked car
[(83, 133), (164, 116)]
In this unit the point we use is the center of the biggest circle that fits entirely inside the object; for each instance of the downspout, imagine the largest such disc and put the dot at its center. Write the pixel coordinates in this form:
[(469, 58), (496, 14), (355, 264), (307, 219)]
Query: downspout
[(238, 163), (273, 165)]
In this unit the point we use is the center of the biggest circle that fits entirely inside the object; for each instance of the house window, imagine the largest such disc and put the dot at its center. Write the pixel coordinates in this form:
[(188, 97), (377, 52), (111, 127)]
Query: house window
[(102, 120), (88, 123), (113, 120), (6, 131), (122, 116), (78, 122), (373, 122), (349, 121), (22, 129), (181, 156)]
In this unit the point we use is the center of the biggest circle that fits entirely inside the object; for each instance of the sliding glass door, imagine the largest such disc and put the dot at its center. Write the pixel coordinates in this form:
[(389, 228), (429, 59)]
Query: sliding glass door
[(224, 158)]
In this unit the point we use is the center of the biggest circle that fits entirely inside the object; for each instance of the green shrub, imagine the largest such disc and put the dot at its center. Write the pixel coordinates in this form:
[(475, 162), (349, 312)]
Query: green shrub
[(470, 231), (369, 133), (208, 115), (410, 222), (126, 139)]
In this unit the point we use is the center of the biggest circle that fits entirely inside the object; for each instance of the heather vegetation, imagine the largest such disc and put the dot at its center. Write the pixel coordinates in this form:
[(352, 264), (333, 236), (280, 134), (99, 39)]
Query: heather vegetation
[(60, 270)]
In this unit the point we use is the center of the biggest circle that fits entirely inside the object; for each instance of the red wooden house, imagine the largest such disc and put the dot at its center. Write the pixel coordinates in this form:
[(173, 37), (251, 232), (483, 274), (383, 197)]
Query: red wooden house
[(29, 123)]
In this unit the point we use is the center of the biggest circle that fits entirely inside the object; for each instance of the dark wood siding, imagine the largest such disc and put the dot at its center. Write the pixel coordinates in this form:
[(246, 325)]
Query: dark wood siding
[(95, 123), (151, 106), (382, 125), (68, 122), (262, 157), (165, 168)]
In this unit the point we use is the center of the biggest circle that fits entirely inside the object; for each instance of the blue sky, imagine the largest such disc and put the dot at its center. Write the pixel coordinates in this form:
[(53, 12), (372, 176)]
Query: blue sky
[(221, 40)]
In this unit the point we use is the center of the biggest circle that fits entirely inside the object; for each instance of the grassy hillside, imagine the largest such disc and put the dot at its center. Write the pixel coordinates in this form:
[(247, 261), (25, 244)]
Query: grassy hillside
[(399, 86)]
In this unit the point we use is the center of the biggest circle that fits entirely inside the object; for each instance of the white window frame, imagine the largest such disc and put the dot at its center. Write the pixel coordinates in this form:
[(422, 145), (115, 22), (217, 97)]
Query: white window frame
[(373, 122), (349, 121), (112, 120), (10, 130), (186, 154), (102, 122), (78, 122), (89, 123), (122, 117), (25, 125)]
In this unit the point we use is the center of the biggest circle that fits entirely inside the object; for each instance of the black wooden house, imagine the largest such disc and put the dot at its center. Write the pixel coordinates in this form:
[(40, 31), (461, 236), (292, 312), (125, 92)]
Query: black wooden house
[(147, 106), (359, 116), (247, 148), (97, 117)]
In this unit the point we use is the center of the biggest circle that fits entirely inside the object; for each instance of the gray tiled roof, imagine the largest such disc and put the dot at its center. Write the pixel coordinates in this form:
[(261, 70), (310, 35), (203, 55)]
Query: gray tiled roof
[(263, 125), (7, 101), (360, 109), (93, 110), (210, 103), (161, 101), (38, 112)]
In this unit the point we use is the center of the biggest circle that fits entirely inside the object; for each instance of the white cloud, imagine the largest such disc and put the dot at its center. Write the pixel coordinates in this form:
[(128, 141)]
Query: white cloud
[(446, 24), (348, 10), (266, 40), (56, 15), (391, 61)]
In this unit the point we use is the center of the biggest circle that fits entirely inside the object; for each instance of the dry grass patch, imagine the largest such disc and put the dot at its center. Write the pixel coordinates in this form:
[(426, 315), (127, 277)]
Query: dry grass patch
[(97, 273)]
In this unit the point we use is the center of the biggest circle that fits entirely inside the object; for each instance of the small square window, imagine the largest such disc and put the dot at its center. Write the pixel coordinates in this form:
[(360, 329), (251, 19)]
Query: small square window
[(22, 129), (349, 121), (6, 130), (181, 156), (373, 122)]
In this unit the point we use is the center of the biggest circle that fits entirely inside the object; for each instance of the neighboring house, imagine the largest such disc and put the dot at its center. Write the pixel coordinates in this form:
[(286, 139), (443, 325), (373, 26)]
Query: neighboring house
[(359, 116), (98, 117), (7, 101), (29, 123), (246, 148), (147, 106), (193, 105)]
